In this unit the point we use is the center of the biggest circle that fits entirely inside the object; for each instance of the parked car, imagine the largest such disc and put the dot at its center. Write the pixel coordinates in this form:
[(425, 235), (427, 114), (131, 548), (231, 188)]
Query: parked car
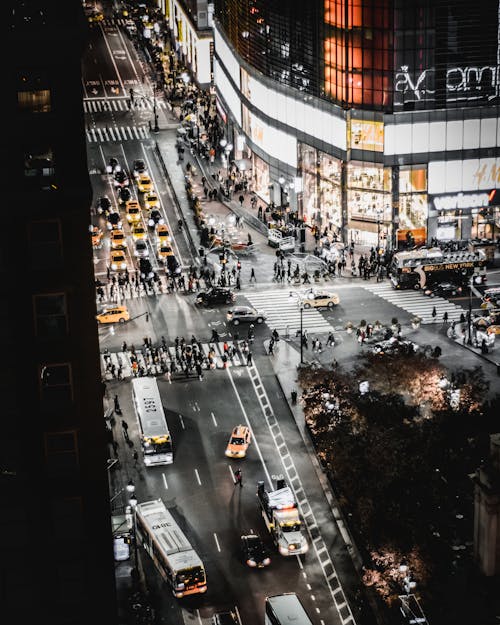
[(255, 553), (239, 314), (443, 289), (215, 295)]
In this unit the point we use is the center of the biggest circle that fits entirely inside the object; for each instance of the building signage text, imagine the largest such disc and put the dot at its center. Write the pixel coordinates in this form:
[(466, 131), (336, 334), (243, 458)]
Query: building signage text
[(460, 200), (462, 83)]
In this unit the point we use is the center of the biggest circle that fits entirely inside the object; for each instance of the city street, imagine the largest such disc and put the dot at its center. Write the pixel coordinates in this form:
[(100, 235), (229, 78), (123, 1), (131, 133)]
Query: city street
[(198, 487)]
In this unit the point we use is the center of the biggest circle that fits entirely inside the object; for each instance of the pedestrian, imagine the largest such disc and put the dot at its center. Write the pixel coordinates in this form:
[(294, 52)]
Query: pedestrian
[(125, 428), (249, 359), (434, 312), (135, 455), (241, 198), (271, 347), (238, 478), (124, 346), (117, 405), (330, 341), (115, 448), (445, 317), (252, 275), (293, 395)]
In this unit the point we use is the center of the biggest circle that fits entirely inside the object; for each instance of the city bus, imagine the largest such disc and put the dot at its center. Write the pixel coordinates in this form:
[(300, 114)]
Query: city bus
[(156, 442), (285, 609), (171, 552), (416, 269)]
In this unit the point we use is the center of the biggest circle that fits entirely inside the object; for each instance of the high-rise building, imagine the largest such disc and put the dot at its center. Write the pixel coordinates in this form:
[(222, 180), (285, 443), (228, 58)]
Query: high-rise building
[(377, 120), (56, 554)]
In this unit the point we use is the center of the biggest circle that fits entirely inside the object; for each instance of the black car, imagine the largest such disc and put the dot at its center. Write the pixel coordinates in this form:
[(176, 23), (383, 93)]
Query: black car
[(172, 265), (121, 179), (255, 553), (226, 618), (103, 205), (443, 289), (155, 218), (215, 295), (124, 195), (146, 269), (139, 167), (113, 165)]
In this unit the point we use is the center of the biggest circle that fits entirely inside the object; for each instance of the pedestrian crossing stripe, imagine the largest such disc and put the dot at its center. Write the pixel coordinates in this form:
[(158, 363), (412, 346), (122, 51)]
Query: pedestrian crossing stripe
[(117, 133), (283, 312), (123, 359), (416, 303), (97, 105)]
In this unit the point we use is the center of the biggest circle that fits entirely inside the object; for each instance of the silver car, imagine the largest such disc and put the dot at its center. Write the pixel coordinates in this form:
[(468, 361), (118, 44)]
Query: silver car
[(141, 249), (239, 314)]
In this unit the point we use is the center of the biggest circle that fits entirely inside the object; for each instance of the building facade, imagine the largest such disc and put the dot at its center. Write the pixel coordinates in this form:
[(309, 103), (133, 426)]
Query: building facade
[(56, 554), (372, 118), (190, 22)]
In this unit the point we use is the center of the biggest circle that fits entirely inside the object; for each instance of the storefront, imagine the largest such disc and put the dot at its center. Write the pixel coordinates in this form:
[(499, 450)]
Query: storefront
[(261, 178), (322, 192), (369, 203)]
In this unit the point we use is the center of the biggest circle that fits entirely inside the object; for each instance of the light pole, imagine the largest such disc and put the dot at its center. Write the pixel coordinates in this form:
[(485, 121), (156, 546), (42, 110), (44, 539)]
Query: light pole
[(132, 503), (300, 303), (379, 212)]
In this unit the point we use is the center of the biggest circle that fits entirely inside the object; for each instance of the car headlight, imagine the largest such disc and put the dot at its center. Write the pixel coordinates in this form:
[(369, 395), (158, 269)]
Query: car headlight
[(124, 265), (251, 562), (151, 223), (266, 561), (113, 266), (291, 547)]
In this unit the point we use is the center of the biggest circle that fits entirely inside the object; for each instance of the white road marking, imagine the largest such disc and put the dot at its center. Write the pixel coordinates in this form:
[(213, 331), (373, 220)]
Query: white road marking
[(231, 473), (213, 418), (182, 422), (197, 476), (199, 616), (305, 507), (217, 542), (164, 480)]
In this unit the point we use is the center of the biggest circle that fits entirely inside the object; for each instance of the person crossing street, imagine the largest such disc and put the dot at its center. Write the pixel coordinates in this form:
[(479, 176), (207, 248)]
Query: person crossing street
[(238, 478)]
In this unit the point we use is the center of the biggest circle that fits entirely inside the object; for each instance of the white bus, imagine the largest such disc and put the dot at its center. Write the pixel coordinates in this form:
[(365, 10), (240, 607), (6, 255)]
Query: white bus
[(156, 442), (175, 559), (285, 609)]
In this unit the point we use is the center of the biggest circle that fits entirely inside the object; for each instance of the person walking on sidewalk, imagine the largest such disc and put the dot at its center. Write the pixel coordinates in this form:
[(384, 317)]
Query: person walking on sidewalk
[(241, 198), (135, 456), (125, 429)]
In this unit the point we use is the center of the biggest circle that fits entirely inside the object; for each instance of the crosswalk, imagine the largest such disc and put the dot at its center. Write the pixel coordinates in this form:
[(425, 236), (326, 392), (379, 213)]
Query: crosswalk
[(117, 133), (104, 105), (416, 303), (115, 360), (283, 312)]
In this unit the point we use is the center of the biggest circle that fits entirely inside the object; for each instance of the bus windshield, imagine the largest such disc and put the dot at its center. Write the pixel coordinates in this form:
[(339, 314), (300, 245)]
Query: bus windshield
[(188, 577)]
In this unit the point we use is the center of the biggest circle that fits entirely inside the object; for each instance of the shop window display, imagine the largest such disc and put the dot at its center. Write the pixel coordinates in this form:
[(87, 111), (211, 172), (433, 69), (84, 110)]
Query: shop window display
[(413, 204), (368, 195)]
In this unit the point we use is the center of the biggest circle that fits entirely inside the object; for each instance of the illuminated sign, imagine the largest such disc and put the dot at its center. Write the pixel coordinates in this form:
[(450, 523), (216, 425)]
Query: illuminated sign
[(367, 135), (460, 200), (444, 266), (462, 83)]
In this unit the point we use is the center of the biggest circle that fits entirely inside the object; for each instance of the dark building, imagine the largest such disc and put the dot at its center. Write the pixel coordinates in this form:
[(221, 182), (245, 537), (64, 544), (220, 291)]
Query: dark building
[(372, 118), (56, 556)]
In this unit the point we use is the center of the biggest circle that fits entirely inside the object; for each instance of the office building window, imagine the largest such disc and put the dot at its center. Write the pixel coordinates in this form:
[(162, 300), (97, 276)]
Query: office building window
[(56, 383), (50, 315), (34, 101), (67, 517), (61, 451), (45, 244)]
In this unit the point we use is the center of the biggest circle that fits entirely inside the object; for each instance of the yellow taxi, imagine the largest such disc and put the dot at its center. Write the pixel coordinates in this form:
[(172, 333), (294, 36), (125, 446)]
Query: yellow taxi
[(162, 233), (163, 251), (95, 16), (138, 231), (320, 299), (97, 235), (144, 183), (117, 260), (493, 329), (238, 442), (117, 314), (118, 239), (151, 200), (133, 211)]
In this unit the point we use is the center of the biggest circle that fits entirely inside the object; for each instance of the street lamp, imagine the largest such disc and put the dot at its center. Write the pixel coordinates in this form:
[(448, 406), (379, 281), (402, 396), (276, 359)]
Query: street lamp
[(155, 114), (132, 503), (379, 212), (294, 295)]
